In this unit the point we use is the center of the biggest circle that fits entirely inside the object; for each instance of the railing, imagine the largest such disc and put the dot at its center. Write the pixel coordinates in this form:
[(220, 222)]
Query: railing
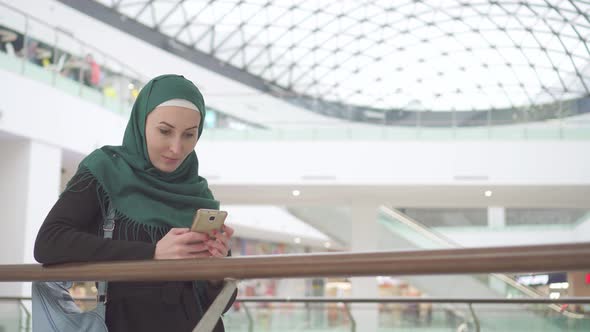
[(446, 242), (569, 300), (417, 315), (343, 309), (564, 257)]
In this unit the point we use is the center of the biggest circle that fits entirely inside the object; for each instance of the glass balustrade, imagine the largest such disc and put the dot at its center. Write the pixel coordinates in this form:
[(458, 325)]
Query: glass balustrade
[(249, 315)]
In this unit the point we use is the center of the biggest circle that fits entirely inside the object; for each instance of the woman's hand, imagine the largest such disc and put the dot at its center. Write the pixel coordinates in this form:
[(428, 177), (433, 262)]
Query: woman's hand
[(181, 243), (219, 246)]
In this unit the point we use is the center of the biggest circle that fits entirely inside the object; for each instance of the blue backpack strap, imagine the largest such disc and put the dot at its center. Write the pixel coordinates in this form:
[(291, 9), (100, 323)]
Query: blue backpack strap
[(101, 297)]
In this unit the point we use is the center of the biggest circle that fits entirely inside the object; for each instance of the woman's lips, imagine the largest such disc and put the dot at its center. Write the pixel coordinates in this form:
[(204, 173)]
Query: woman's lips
[(170, 160)]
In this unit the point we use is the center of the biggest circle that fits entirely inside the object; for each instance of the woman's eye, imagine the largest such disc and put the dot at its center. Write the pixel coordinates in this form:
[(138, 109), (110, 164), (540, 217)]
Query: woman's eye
[(189, 135), (164, 131)]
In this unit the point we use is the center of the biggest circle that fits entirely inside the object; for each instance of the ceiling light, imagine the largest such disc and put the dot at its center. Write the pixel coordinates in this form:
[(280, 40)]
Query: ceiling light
[(296, 193), (488, 193), (297, 240), (131, 86), (327, 245)]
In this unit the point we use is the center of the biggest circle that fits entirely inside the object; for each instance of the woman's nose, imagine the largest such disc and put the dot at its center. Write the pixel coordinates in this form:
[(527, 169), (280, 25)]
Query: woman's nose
[(176, 146)]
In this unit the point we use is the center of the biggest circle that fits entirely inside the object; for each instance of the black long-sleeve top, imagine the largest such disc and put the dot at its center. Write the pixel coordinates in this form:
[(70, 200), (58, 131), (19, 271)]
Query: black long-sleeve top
[(72, 232)]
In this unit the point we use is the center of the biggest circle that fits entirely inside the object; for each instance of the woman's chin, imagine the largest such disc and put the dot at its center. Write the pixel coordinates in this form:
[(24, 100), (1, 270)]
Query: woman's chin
[(166, 168)]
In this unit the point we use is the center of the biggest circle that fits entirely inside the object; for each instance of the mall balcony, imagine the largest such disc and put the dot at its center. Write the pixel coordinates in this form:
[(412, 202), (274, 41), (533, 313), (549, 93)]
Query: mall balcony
[(419, 174)]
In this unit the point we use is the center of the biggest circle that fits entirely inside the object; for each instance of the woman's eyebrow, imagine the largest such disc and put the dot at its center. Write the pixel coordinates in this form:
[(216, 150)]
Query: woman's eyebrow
[(166, 123), (171, 126)]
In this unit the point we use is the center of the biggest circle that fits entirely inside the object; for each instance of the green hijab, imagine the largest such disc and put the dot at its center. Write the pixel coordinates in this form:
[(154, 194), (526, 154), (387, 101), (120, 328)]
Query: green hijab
[(140, 193)]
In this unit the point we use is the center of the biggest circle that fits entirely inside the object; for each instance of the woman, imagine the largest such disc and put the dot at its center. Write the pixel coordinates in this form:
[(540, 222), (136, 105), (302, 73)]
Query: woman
[(152, 183)]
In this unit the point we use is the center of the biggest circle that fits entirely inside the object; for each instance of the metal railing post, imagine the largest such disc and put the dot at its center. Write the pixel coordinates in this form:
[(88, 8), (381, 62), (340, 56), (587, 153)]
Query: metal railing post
[(24, 49), (27, 317), (475, 319), (20, 316), (250, 319), (349, 314), (54, 59)]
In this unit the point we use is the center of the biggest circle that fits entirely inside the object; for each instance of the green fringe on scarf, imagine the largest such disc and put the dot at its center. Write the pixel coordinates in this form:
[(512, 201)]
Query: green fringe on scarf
[(125, 227)]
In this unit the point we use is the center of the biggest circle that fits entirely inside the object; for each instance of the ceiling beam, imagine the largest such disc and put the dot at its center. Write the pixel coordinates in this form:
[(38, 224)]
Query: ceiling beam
[(115, 19)]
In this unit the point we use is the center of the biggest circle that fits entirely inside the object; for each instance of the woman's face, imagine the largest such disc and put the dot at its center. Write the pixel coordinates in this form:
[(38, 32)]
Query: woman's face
[(171, 135)]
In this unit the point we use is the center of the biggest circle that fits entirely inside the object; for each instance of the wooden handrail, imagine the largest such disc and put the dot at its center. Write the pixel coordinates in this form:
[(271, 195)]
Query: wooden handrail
[(396, 299), (400, 299), (546, 258)]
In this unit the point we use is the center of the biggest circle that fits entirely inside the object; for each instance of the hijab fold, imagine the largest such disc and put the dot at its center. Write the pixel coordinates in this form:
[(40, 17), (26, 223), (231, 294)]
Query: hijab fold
[(126, 179)]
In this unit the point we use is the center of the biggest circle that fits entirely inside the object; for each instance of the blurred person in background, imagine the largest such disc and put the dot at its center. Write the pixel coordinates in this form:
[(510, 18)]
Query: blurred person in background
[(92, 72)]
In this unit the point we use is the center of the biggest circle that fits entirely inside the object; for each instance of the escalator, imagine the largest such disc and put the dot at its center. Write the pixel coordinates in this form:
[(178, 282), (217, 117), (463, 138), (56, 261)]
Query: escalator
[(404, 233)]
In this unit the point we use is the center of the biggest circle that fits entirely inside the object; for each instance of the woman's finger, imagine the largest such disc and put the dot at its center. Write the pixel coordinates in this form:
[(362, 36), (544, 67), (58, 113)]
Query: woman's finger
[(228, 230), (221, 237), (221, 247), (192, 237), (199, 247), (216, 244), (215, 253), (186, 250), (178, 231)]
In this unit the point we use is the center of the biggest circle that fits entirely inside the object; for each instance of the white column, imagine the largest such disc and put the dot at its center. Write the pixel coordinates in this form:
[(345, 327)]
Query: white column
[(30, 174), (44, 181), (364, 238), (496, 217), (13, 175)]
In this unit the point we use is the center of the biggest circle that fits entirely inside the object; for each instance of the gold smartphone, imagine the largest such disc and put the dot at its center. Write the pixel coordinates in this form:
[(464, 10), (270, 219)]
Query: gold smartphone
[(206, 220)]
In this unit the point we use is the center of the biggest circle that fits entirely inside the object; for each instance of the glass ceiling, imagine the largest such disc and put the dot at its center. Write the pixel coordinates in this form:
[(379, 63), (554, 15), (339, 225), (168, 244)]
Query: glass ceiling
[(415, 55)]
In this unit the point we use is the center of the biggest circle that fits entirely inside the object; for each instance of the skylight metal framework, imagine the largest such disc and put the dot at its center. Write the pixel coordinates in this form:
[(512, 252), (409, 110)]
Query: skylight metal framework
[(405, 55)]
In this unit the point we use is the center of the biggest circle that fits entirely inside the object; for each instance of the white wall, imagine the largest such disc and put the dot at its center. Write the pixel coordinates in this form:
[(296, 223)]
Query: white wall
[(35, 110), (55, 118), (415, 163)]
